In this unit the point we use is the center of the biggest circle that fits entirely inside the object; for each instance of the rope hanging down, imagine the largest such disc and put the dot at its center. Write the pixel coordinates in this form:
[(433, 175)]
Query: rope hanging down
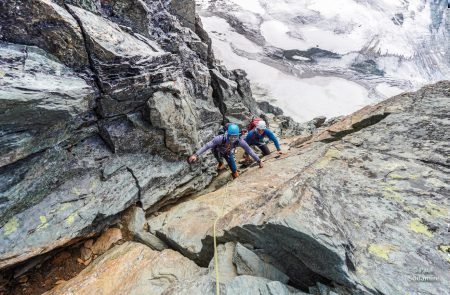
[(216, 259)]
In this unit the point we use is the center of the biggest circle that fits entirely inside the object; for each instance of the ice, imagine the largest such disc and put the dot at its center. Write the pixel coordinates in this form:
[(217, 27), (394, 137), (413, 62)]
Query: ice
[(388, 90), (275, 32), (382, 48), (250, 5), (303, 99), (223, 31), (347, 25), (296, 57)]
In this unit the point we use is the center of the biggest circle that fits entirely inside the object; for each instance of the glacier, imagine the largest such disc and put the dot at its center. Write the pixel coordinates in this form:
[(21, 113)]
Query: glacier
[(324, 57)]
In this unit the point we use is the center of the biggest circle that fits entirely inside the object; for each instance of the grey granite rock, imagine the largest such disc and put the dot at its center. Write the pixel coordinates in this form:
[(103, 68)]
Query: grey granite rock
[(135, 228), (42, 102), (44, 24), (364, 204), (248, 263)]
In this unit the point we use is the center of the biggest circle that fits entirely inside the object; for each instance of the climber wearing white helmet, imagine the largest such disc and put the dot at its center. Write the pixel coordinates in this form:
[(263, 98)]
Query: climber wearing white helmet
[(223, 146), (256, 137)]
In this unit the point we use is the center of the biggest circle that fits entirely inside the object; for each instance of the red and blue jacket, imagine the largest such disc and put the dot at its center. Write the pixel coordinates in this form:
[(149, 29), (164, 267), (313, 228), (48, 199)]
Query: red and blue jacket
[(254, 138)]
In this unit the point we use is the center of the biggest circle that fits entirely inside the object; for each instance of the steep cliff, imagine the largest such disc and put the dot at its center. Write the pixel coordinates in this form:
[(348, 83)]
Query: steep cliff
[(102, 101)]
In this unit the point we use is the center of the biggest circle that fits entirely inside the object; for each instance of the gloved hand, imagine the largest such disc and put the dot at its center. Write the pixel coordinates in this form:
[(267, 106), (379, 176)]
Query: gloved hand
[(260, 164), (235, 174), (280, 152), (192, 158)]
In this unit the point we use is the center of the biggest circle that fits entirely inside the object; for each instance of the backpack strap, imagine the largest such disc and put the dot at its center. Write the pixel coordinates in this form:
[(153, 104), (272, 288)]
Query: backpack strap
[(254, 134)]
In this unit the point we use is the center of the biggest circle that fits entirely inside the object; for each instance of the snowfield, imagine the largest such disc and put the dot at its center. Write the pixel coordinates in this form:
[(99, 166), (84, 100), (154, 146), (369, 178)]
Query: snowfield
[(328, 57)]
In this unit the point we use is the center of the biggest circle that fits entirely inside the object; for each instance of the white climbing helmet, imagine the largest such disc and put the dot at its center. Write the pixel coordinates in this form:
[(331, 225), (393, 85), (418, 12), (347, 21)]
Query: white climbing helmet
[(261, 125)]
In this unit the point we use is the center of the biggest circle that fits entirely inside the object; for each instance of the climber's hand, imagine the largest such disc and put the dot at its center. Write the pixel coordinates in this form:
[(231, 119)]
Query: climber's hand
[(192, 158), (260, 164)]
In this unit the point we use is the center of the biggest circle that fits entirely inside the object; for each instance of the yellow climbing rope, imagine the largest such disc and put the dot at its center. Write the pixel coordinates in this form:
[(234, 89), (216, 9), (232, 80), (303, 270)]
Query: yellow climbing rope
[(216, 259)]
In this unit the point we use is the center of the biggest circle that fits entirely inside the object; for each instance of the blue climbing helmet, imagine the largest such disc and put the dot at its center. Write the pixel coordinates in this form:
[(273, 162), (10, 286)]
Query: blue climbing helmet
[(233, 130)]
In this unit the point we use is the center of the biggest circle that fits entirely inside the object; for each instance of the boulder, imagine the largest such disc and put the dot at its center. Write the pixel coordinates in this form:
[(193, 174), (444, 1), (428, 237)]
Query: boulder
[(125, 66), (187, 225), (131, 268), (175, 114), (42, 102), (226, 268), (232, 95), (185, 11), (267, 107), (248, 285), (106, 240), (134, 14), (241, 285), (44, 24), (135, 228), (131, 133), (248, 263)]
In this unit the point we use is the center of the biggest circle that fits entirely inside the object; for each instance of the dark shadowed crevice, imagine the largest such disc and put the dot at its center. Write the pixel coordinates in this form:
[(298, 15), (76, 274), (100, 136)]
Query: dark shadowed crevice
[(137, 183), (357, 127), (218, 97), (89, 55)]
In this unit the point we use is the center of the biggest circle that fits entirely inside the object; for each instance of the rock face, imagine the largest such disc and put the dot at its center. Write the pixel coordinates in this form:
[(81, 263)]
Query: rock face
[(42, 102), (248, 263), (101, 102), (362, 207), (233, 96), (131, 268), (44, 24)]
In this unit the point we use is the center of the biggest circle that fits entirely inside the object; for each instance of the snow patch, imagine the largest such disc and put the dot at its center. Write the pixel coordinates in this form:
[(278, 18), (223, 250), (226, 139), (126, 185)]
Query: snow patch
[(221, 30), (250, 5)]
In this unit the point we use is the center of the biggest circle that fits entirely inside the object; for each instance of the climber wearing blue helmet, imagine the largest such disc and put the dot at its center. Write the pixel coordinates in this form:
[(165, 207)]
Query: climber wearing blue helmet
[(223, 146)]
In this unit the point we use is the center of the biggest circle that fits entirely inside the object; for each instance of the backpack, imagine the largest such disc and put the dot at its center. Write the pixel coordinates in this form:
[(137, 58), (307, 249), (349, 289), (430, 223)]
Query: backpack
[(255, 121)]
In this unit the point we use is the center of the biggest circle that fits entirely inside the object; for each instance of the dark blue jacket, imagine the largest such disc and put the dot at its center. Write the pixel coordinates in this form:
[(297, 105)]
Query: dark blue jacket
[(253, 138)]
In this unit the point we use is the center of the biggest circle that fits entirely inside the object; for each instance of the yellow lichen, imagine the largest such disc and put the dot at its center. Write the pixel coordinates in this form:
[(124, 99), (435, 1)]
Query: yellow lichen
[(444, 248), (71, 218), (381, 251), (435, 210), (391, 194), (408, 209), (43, 224), (330, 154), (397, 176), (417, 226), (76, 191), (10, 226), (360, 271)]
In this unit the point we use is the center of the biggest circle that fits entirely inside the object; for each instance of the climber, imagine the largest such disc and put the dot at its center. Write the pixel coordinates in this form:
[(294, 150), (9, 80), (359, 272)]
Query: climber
[(224, 146), (256, 137)]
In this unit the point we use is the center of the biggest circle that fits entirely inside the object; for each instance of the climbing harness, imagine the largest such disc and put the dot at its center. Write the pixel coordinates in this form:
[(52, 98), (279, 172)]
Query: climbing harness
[(216, 259)]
